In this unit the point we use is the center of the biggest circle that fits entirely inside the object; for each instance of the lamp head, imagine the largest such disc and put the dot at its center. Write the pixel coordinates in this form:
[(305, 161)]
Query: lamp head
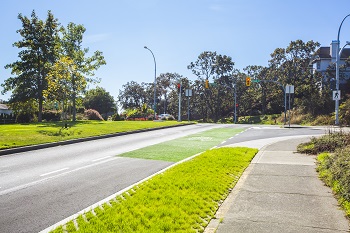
[(145, 47)]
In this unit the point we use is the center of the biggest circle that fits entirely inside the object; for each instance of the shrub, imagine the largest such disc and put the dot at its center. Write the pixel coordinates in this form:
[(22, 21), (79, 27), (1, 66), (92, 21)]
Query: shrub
[(116, 117), (51, 115), (92, 114), (334, 170), (323, 120), (326, 143)]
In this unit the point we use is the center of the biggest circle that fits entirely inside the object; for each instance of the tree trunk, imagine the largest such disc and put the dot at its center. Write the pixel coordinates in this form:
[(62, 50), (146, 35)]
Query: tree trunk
[(74, 107)]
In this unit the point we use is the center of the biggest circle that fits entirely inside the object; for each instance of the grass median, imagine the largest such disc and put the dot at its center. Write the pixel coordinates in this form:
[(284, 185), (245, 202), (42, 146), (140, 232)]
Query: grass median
[(182, 199), (16, 135)]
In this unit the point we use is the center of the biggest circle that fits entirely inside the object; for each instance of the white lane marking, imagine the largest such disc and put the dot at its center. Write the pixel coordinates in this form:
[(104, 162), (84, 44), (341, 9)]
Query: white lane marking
[(23, 186), (49, 173), (95, 160)]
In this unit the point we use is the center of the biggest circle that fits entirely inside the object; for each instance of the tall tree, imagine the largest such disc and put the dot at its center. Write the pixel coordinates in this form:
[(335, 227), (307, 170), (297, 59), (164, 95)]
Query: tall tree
[(219, 70), (133, 95), (85, 66), (100, 100), (39, 51)]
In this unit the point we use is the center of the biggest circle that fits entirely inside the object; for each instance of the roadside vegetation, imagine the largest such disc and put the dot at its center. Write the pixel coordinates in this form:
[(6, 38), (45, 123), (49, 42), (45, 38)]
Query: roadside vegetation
[(182, 199), (16, 135), (333, 153)]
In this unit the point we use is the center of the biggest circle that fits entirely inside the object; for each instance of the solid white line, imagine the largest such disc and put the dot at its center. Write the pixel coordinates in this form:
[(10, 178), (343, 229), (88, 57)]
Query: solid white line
[(95, 160), (49, 173)]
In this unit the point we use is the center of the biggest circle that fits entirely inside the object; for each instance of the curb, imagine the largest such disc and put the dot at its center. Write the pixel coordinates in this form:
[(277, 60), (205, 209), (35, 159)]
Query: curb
[(68, 142)]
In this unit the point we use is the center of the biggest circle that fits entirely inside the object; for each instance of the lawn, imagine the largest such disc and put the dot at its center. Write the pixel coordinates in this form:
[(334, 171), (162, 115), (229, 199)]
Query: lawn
[(16, 135), (181, 199)]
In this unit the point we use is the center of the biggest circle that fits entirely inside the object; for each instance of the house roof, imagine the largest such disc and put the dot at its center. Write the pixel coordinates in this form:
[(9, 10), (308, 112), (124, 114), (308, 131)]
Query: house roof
[(324, 52), (3, 107)]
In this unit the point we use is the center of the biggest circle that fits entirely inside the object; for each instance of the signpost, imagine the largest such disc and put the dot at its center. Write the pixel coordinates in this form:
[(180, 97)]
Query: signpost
[(188, 93), (289, 90)]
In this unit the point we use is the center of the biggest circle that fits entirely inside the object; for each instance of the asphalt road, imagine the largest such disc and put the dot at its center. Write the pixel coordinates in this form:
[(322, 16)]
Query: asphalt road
[(39, 188), (42, 187)]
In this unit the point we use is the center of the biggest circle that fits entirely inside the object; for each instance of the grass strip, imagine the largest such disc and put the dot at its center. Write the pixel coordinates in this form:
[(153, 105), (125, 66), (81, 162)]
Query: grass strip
[(16, 135), (181, 148), (182, 199)]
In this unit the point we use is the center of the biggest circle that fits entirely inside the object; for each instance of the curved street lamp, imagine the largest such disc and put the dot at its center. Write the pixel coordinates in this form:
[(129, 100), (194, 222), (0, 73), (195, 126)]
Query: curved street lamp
[(155, 81), (337, 60)]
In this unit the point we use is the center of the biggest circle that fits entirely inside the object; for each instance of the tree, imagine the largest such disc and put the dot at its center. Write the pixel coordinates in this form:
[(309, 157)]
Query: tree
[(219, 69), (39, 51), (100, 100), (133, 95), (59, 80), (71, 43), (291, 66)]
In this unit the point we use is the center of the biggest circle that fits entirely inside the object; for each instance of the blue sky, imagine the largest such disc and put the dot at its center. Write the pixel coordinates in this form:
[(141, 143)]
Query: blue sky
[(178, 31)]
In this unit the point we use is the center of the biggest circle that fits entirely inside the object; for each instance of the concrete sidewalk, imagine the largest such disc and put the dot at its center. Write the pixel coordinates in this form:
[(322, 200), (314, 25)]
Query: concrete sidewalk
[(280, 192)]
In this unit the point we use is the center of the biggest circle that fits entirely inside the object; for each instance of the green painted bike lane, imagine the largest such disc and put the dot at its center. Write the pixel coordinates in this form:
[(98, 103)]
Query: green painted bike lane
[(181, 148)]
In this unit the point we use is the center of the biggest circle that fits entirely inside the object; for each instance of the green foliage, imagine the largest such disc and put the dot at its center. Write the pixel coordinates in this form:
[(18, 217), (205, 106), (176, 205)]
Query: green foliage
[(99, 99), (84, 67), (25, 112), (51, 115), (326, 143), (334, 170), (116, 117), (182, 199), (344, 112), (38, 51)]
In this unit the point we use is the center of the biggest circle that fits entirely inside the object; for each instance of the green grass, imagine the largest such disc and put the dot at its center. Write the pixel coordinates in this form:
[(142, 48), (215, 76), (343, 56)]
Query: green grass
[(179, 149), (16, 135), (182, 199)]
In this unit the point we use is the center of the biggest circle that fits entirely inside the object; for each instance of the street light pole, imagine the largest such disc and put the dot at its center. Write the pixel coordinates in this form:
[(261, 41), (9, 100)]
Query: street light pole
[(235, 118), (155, 82), (337, 60)]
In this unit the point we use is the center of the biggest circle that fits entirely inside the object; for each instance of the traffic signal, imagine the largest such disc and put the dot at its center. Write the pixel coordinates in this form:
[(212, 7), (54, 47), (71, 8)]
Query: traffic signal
[(206, 84), (178, 87), (247, 81)]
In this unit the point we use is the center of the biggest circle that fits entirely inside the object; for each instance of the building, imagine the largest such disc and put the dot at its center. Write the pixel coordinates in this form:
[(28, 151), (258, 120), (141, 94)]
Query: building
[(325, 56), (5, 110)]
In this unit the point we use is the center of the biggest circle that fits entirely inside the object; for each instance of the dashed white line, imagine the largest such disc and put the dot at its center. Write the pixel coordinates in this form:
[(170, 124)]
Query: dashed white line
[(106, 157), (49, 173)]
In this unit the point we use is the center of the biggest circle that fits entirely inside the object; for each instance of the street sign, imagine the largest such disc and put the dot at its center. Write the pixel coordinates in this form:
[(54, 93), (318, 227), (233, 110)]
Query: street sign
[(188, 92), (336, 95), (255, 80), (289, 89)]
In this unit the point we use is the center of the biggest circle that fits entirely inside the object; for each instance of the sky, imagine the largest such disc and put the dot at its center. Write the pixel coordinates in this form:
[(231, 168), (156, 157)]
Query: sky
[(177, 31)]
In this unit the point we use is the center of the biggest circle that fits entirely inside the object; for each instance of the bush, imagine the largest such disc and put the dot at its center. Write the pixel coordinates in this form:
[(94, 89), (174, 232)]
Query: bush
[(334, 170), (116, 117), (326, 143), (92, 114), (51, 115), (323, 120)]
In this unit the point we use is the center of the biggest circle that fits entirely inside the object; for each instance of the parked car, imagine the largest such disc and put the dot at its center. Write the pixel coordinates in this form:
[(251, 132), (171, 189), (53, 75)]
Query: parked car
[(165, 116)]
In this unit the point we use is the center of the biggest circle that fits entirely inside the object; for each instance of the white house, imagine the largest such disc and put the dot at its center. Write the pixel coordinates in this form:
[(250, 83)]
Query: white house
[(325, 56), (5, 109)]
